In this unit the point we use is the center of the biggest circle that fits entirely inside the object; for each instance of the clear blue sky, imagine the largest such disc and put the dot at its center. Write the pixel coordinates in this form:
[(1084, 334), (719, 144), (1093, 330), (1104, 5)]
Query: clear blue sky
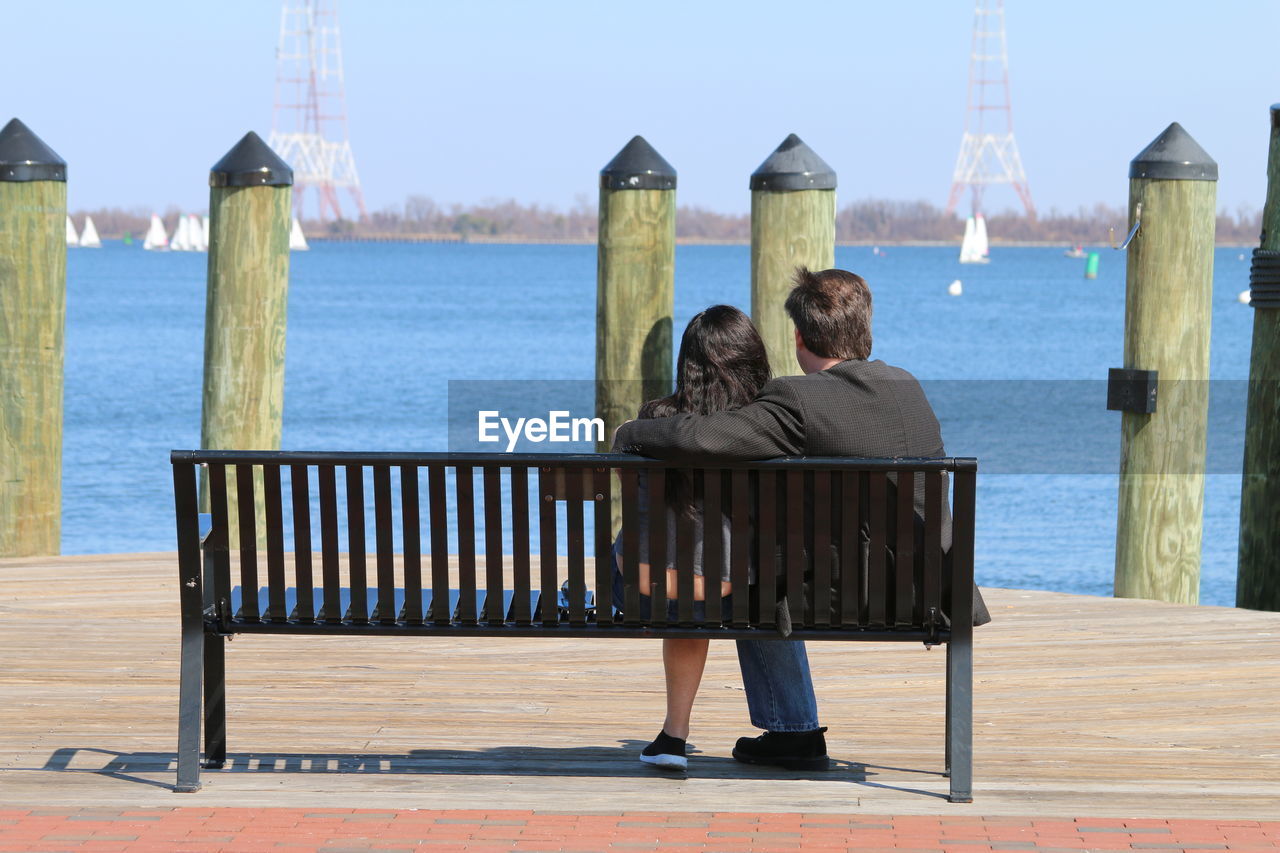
[(466, 101)]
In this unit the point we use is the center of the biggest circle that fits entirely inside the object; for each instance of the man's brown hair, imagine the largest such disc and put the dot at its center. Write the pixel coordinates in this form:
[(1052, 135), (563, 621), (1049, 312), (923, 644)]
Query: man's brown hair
[(832, 311)]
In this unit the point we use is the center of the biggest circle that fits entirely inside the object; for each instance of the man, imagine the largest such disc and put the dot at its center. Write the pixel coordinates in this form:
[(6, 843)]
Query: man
[(843, 405)]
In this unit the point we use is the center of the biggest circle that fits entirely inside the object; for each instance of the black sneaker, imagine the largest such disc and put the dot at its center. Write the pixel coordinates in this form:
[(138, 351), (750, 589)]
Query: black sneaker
[(666, 752), (792, 750)]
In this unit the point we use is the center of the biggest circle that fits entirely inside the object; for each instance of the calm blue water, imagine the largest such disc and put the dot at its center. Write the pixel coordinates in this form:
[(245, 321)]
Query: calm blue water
[(377, 330)]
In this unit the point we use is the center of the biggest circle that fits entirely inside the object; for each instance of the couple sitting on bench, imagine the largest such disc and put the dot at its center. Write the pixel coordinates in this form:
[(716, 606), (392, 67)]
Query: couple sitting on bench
[(726, 407)]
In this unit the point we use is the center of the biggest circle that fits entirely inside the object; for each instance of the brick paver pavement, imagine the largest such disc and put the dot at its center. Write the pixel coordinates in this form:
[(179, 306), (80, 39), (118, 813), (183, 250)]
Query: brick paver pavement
[(245, 830)]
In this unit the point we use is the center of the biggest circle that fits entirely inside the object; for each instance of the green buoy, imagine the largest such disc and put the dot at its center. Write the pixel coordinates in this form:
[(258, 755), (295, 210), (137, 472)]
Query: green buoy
[(1091, 266)]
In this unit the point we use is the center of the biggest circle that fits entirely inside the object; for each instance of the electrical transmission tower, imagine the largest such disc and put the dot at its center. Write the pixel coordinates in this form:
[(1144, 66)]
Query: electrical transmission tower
[(988, 152), (309, 122)]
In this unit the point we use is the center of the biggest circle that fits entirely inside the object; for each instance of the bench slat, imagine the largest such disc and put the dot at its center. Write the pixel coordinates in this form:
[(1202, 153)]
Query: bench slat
[(767, 536), (328, 478), (740, 546), (961, 603), (631, 546), (217, 548), (712, 543), (877, 586), (684, 563), (520, 582), (576, 533), (412, 536), (821, 617), (439, 542), (931, 583), (384, 539), (464, 491), (547, 561), (276, 610), (657, 514), (851, 577), (246, 522), (300, 497), (357, 569), (794, 545), (495, 608), (904, 550), (602, 517)]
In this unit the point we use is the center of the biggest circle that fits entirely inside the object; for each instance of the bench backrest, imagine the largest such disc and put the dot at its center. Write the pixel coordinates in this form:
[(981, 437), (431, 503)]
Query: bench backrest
[(270, 509)]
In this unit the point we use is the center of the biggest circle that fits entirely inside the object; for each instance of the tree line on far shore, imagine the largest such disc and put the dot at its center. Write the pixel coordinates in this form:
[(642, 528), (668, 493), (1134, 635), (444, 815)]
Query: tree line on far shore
[(866, 221)]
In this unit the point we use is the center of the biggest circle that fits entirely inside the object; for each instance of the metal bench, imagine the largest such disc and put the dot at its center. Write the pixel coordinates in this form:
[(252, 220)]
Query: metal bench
[(895, 586)]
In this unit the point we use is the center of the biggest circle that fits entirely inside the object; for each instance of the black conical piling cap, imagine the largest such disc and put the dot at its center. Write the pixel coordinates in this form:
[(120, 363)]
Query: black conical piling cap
[(793, 166), (1174, 156), (638, 167), (251, 163), (1275, 116), (25, 157)]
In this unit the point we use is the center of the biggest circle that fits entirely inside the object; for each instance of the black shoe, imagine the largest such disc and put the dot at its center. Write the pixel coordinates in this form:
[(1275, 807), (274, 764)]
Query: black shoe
[(666, 752), (792, 750)]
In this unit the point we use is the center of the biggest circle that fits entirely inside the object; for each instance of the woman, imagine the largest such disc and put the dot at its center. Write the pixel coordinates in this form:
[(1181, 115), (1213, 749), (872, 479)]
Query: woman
[(722, 365)]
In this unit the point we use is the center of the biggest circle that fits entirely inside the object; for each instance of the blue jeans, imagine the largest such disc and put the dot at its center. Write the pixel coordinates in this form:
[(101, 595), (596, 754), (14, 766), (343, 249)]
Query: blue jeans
[(779, 688), (775, 673)]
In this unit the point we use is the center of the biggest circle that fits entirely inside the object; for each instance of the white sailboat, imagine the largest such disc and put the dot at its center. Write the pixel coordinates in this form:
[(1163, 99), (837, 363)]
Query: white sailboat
[(157, 238), (973, 249), (181, 241), (204, 230), (980, 237), (967, 254), (89, 239), (297, 241), (73, 239), (195, 234)]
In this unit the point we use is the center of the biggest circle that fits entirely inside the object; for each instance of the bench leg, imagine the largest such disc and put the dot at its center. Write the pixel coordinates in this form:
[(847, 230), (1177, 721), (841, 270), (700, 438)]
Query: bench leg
[(959, 759), (215, 702), (189, 689), (947, 770)]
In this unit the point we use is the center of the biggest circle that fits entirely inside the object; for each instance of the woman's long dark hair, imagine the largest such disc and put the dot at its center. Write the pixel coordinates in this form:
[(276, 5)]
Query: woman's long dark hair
[(722, 365)]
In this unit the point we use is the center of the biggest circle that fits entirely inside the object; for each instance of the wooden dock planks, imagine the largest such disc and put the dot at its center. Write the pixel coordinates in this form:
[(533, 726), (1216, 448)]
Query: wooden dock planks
[(1125, 707)]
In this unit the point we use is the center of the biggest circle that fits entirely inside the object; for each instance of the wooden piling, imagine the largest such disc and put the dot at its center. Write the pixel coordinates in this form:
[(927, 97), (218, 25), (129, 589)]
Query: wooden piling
[(1258, 572), (635, 289), (635, 283), (33, 309), (244, 335), (793, 223), (1168, 302)]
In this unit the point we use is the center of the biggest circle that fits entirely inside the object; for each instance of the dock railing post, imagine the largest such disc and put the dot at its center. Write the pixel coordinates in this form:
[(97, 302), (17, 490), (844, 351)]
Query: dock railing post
[(793, 223), (33, 310), (1258, 572), (635, 286), (1168, 303), (248, 286)]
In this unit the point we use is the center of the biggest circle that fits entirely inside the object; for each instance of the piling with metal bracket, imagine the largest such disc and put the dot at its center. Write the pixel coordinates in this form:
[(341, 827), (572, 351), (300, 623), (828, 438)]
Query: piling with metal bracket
[(33, 310), (1258, 572), (1168, 302)]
